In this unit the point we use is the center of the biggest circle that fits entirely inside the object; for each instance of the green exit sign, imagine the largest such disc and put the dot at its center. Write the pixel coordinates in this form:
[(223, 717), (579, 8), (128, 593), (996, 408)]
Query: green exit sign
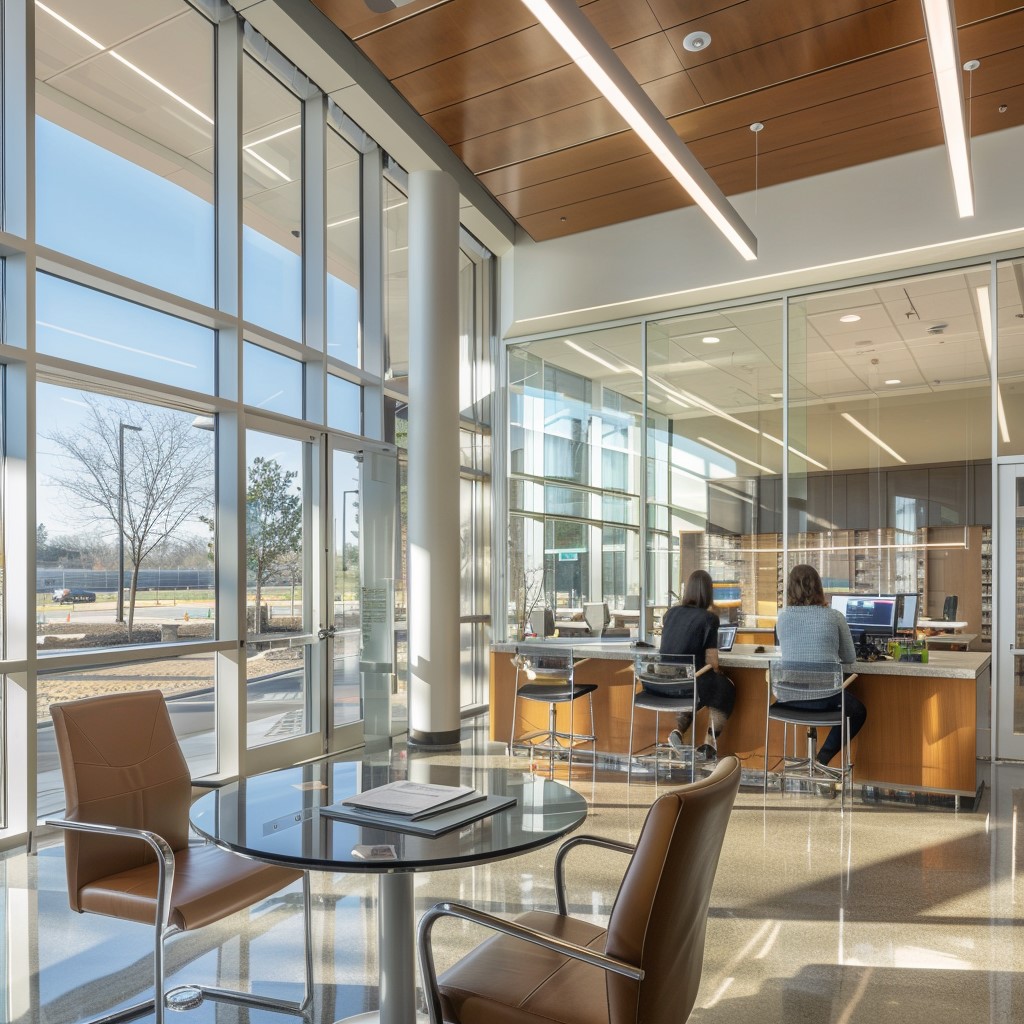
[(568, 556)]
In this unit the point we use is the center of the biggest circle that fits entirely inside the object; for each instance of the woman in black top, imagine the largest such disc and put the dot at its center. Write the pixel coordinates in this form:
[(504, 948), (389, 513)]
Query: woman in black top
[(690, 627)]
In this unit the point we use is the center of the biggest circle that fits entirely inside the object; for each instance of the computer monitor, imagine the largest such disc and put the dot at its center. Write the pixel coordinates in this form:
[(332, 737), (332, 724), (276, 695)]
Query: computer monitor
[(906, 612), (872, 613), (726, 638)]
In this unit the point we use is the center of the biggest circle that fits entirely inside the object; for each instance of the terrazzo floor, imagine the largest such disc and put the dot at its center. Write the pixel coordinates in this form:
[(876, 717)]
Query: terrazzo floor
[(883, 913)]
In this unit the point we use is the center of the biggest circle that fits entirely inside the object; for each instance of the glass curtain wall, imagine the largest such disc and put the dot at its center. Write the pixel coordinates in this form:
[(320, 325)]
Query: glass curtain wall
[(167, 415), (575, 420)]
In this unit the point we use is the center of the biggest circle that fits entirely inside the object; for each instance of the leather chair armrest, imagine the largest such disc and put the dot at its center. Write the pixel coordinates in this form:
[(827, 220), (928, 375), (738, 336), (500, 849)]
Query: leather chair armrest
[(160, 846), (563, 850), (515, 931)]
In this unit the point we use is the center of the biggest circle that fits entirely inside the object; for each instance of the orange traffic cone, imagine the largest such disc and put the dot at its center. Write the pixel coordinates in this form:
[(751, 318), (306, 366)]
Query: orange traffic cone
[(68, 619), (186, 616)]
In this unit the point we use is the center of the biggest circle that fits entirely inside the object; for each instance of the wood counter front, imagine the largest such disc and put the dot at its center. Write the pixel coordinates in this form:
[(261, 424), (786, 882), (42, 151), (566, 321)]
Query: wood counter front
[(920, 731)]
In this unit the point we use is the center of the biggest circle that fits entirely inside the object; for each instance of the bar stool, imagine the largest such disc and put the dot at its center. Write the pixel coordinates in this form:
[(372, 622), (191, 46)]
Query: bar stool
[(548, 671), (663, 682), (802, 680)]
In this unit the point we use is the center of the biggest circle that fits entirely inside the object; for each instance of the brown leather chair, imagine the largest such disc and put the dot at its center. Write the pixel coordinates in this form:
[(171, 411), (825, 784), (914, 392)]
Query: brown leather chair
[(127, 848), (645, 966)]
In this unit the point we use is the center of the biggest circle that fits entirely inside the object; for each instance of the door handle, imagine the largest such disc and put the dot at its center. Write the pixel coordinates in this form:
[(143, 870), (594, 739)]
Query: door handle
[(326, 634)]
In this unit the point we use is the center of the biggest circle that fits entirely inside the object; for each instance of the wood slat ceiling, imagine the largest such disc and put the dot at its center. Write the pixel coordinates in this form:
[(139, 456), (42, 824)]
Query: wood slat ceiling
[(836, 83)]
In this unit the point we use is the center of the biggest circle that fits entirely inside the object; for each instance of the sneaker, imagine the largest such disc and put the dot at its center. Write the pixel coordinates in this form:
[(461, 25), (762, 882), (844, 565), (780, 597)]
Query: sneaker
[(706, 751), (675, 741)]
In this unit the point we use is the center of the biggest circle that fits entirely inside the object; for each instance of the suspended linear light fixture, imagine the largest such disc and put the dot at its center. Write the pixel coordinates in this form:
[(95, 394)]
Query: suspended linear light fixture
[(940, 25), (573, 31)]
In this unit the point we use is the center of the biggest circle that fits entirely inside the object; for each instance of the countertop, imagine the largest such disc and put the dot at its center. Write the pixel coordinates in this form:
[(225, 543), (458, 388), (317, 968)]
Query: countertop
[(941, 664)]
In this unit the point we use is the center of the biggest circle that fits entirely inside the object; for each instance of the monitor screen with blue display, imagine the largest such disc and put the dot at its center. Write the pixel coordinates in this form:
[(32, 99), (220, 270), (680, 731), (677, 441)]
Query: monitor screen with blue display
[(871, 613)]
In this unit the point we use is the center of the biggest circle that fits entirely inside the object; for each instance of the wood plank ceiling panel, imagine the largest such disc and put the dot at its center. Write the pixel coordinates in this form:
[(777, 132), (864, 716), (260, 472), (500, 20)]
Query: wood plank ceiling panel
[(837, 82)]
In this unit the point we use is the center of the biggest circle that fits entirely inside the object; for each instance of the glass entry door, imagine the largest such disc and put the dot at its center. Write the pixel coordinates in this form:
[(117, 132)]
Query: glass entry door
[(1010, 636), (360, 593)]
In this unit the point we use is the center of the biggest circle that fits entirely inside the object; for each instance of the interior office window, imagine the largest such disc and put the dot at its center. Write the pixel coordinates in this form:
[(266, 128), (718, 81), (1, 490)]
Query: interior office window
[(396, 281), (891, 422), (1010, 326), (343, 250), (272, 382), (91, 327), (125, 140), (714, 434), (271, 202), (125, 506), (344, 405), (187, 684)]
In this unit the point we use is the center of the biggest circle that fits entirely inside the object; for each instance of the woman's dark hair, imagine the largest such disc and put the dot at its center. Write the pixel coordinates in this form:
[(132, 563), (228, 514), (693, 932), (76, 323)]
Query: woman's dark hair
[(804, 587), (699, 591)]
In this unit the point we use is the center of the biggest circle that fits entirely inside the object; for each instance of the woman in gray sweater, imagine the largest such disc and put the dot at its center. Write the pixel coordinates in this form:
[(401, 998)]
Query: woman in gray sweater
[(809, 630)]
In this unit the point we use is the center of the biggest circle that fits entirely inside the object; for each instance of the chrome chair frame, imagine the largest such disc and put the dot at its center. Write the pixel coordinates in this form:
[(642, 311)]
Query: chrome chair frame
[(652, 702), (187, 997), (550, 737), (812, 720)]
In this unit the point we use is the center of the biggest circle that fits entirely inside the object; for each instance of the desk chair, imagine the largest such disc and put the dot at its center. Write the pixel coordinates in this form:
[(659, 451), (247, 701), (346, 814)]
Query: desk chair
[(548, 671), (644, 966), (801, 680), (127, 850), (664, 682)]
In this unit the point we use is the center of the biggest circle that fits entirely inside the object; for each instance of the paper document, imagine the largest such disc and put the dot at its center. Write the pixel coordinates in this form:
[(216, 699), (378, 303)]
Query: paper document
[(413, 799)]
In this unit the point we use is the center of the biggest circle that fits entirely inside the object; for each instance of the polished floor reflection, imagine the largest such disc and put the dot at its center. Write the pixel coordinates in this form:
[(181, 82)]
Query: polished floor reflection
[(883, 913)]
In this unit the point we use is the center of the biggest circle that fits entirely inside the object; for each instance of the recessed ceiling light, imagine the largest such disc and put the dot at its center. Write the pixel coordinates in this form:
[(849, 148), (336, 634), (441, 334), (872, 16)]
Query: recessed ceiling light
[(696, 41), (775, 394), (849, 318), (894, 380), (711, 340)]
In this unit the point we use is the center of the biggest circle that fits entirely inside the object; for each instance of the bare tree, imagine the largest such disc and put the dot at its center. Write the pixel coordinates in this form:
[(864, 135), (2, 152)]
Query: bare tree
[(168, 467), (526, 584)]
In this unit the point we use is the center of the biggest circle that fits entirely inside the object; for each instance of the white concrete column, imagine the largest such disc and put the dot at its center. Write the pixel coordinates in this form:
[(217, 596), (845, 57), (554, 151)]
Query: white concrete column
[(433, 515)]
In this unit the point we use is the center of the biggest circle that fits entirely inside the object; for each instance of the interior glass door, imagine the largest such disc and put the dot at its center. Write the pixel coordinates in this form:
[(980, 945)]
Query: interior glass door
[(1010, 611), (360, 598)]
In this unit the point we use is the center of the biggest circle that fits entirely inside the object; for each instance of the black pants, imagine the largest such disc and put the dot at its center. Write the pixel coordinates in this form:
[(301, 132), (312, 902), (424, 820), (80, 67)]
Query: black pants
[(855, 711), (716, 693)]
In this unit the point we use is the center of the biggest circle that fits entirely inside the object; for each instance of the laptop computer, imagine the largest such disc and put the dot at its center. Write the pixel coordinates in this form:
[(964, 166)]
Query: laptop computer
[(726, 637)]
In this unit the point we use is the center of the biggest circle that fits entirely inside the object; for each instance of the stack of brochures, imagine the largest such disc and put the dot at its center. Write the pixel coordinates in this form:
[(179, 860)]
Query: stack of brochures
[(417, 808)]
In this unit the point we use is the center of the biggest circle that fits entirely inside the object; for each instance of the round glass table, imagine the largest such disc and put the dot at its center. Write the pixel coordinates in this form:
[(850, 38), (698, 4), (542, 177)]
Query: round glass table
[(275, 818)]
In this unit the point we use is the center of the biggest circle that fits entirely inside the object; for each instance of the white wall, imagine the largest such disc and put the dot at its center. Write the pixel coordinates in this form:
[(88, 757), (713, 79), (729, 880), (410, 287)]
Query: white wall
[(887, 215)]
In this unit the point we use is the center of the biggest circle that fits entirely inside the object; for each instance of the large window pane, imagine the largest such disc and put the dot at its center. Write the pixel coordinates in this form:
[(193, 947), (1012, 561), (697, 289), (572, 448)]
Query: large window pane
[(187, 683), (343, 250), (272, 202), (124, 140), (714, 451), (344, 405), (122, 484), (1010, 320), (278, 606), (272, 382), (890, 407), (575, 422), (90, 327)]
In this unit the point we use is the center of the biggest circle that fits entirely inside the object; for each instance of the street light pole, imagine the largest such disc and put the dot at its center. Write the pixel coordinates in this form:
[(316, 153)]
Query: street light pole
[(121, 428)]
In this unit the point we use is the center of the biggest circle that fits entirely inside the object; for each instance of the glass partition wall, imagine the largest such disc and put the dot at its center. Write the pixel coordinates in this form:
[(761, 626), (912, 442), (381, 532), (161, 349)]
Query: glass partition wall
[(851, 429)]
